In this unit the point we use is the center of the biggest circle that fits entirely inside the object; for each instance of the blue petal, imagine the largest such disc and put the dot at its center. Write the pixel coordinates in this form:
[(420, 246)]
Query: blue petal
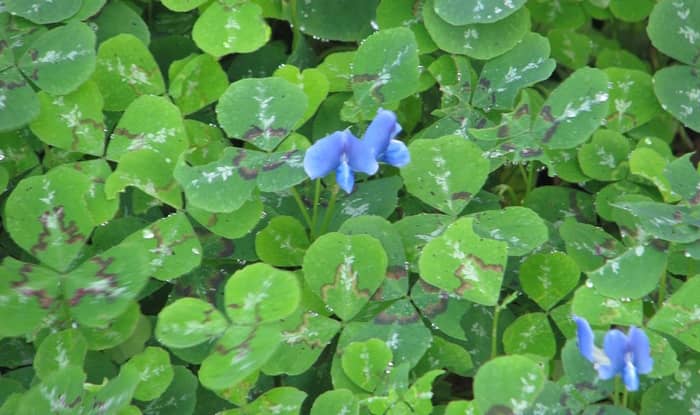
[(605, 372), (345, 177), (381, 130), (630, 377), (324, 155), (360, 156), (584, 336), (396, 154), (641, 352), (615, 347)]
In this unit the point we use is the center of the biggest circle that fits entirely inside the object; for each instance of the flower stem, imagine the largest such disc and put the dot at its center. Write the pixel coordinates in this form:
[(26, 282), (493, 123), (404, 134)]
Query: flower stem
[(624, 398), (616, 391), (302, 209), (329, 211), (314, 215)]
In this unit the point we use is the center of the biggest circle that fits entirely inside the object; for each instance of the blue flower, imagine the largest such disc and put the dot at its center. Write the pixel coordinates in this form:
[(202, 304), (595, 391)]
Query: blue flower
[(346, 154), (626, 355)]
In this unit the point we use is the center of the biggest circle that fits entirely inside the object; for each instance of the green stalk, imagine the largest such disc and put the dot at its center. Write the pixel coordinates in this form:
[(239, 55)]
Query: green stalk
[(329, 211), (314, 215), (662, 291), (302, 208)]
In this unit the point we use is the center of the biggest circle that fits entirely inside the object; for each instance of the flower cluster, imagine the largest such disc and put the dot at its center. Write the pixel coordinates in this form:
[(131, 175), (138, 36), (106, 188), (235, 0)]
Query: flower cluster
[(346, 154), (626, 355)]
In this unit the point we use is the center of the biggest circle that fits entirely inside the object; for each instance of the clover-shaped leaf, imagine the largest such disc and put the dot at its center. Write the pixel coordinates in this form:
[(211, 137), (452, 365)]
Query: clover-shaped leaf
[(461, 262)]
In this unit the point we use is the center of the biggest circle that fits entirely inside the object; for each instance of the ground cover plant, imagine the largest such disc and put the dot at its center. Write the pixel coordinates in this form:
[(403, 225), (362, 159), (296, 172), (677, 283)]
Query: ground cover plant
[(349, 207)]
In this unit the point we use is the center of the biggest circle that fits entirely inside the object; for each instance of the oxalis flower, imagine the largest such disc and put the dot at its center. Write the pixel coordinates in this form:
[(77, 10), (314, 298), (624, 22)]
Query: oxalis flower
[(346, 154), (627, 355)]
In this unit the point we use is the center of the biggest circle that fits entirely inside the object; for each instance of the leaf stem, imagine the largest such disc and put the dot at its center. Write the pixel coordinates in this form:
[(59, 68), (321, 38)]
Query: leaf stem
[(624, 398), (314, 214), (616, 391), (662, 291), (329, 210), (685, 139), (302, 208), (496, 315)]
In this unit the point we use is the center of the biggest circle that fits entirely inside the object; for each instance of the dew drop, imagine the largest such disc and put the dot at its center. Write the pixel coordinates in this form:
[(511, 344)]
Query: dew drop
[(374, 25), (148, 234), (589, 283)]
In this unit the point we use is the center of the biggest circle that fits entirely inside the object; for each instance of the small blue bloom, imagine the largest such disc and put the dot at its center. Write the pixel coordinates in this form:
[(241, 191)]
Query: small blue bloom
[(345, 153), (627, 355)]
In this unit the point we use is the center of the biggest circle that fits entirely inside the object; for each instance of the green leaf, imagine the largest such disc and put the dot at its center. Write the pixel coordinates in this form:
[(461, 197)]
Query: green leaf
[(312, 81), (183, 5), (188, 322), (148, 171), (588, 245), (227, 184), (396, 283), (574, 110), (444, 311), (151, 123), (679, 316), (677, 89), (366, 363), (604, 311), (154, 373), (28, 293), (632, 97), (337, 401), (503, 77), (521, 228), (633, 274), (417, 230), (461, 12), (445, 172), (116, 332), (240, 352), (225, 28), (385, 69), (61, 59), (126, 70), (58, 393), (556, 203), (603, 158), (478, 41), (669, 222), (305, 334), (261, 111), (570, 49), (650, 165), (18, 103), (548, 278), (43, 11), (674, 29), (172, 245), (283, 400), (55, 229), (282, 242), (59, 351), (260, 293), (72, 122), (103, 287), (398, 13), (631, 12), (121, 17), (375, 197), (516, 391), (461, 262), (345, 20), (179, 398), (530, 334), (447, 355), (195, 82), (345, 271), (231, 225), (673, 393)]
